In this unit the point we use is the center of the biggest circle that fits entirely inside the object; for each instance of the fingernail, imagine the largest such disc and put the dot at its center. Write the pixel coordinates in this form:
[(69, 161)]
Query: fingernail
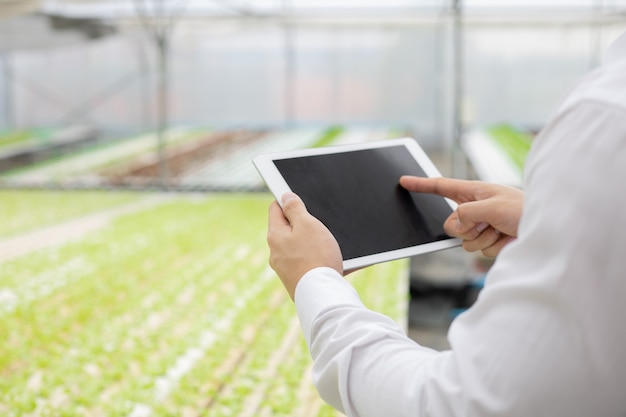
[(481, 227), (288, 196)]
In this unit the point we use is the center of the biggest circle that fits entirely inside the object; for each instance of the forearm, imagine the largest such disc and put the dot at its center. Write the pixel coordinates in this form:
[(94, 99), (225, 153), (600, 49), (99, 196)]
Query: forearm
[(365, 366), (361, 358)]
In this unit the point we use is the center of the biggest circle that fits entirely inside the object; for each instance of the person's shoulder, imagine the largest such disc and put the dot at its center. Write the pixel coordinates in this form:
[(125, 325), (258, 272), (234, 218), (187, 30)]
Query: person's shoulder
[(606, 84)]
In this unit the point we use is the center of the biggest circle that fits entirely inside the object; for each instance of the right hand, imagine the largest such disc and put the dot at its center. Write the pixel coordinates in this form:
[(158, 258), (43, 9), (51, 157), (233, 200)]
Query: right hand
[(487, 216)]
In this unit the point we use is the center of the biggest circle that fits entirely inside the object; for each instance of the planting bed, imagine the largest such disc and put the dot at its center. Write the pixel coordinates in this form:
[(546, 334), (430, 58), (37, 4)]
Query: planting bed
[(196, 159), (515, 143), (90, 163), (170, 311), (24, 211), (498, 153), (32, 148), (12, 139), (230, 167)]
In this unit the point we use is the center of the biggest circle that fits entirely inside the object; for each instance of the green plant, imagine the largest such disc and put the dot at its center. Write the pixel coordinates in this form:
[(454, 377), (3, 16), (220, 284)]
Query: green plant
[(172, 310), (328, 136), (26, 210), (515, 143)]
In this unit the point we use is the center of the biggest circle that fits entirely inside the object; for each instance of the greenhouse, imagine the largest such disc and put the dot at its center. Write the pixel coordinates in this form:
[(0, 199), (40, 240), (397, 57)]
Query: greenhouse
[(135, 277)]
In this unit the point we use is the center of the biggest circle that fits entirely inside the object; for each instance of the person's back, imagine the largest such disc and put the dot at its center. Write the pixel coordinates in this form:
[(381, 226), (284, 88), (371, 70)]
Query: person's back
[(568, 265)]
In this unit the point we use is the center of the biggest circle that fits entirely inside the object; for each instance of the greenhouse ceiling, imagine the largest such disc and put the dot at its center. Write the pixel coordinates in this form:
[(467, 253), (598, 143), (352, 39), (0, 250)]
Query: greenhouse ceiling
[(45, 23), (129, 8)]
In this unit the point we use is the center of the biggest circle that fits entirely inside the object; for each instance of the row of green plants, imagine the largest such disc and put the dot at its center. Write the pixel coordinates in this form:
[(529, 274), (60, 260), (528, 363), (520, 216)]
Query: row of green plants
[(14, 138), (23, 211), (328, 136), (101, 155), (169, 311), (513, 141)]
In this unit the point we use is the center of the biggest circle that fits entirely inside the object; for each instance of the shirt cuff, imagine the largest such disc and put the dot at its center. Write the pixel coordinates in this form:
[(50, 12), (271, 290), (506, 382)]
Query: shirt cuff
[(319, 290)]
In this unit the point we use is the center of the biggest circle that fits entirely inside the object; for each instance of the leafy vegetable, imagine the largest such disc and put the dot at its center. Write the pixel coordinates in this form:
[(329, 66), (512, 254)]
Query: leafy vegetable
[(328, 136), (26, 210), (169, 311), (515, 143)]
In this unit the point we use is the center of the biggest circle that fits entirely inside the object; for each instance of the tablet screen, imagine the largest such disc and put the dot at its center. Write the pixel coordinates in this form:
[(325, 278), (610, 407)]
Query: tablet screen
[(357, 196)]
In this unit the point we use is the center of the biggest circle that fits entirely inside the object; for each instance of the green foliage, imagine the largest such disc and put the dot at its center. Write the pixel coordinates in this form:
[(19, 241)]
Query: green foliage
[(102, 155), (173, 310), (328, 136), (515, 143), (17, 137), (25, 210), (13, 137)]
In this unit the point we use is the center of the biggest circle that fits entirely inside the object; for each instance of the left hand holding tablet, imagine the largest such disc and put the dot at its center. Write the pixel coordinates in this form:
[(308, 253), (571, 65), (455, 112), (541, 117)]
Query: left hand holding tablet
[(299, 242)]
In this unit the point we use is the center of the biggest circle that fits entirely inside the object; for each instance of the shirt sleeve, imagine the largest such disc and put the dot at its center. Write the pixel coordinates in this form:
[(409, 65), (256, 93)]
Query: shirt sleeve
[(543, 339), (341, 333)]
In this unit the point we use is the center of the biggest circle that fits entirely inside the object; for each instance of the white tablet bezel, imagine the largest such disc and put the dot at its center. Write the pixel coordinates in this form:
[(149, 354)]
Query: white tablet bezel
[(277, 185)]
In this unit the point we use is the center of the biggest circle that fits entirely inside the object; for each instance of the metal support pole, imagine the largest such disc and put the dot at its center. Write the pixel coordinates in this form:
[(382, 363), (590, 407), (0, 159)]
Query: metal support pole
[(289, 66), (595, 36), (459, 168), (9, 116), (159, 22), (163, 109), (143, 97)]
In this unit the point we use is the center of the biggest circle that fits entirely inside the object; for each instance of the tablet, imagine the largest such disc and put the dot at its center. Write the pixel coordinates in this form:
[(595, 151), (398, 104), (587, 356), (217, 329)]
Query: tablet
[(354, 190)]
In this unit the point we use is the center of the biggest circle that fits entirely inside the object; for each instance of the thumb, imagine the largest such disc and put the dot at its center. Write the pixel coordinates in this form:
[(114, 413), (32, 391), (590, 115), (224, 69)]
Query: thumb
[(293, 206), (470, 215)]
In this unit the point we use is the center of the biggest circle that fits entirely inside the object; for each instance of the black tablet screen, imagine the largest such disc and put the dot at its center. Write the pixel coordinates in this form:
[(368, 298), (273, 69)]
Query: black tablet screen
[(357, 196)]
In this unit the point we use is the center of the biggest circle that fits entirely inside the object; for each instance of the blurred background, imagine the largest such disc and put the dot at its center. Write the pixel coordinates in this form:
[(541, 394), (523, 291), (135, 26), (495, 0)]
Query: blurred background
[(133, 266), (77, 74)]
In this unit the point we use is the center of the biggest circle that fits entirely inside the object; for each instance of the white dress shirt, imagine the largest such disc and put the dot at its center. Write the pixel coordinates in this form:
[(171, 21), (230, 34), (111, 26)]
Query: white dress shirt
[(547, 335)]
